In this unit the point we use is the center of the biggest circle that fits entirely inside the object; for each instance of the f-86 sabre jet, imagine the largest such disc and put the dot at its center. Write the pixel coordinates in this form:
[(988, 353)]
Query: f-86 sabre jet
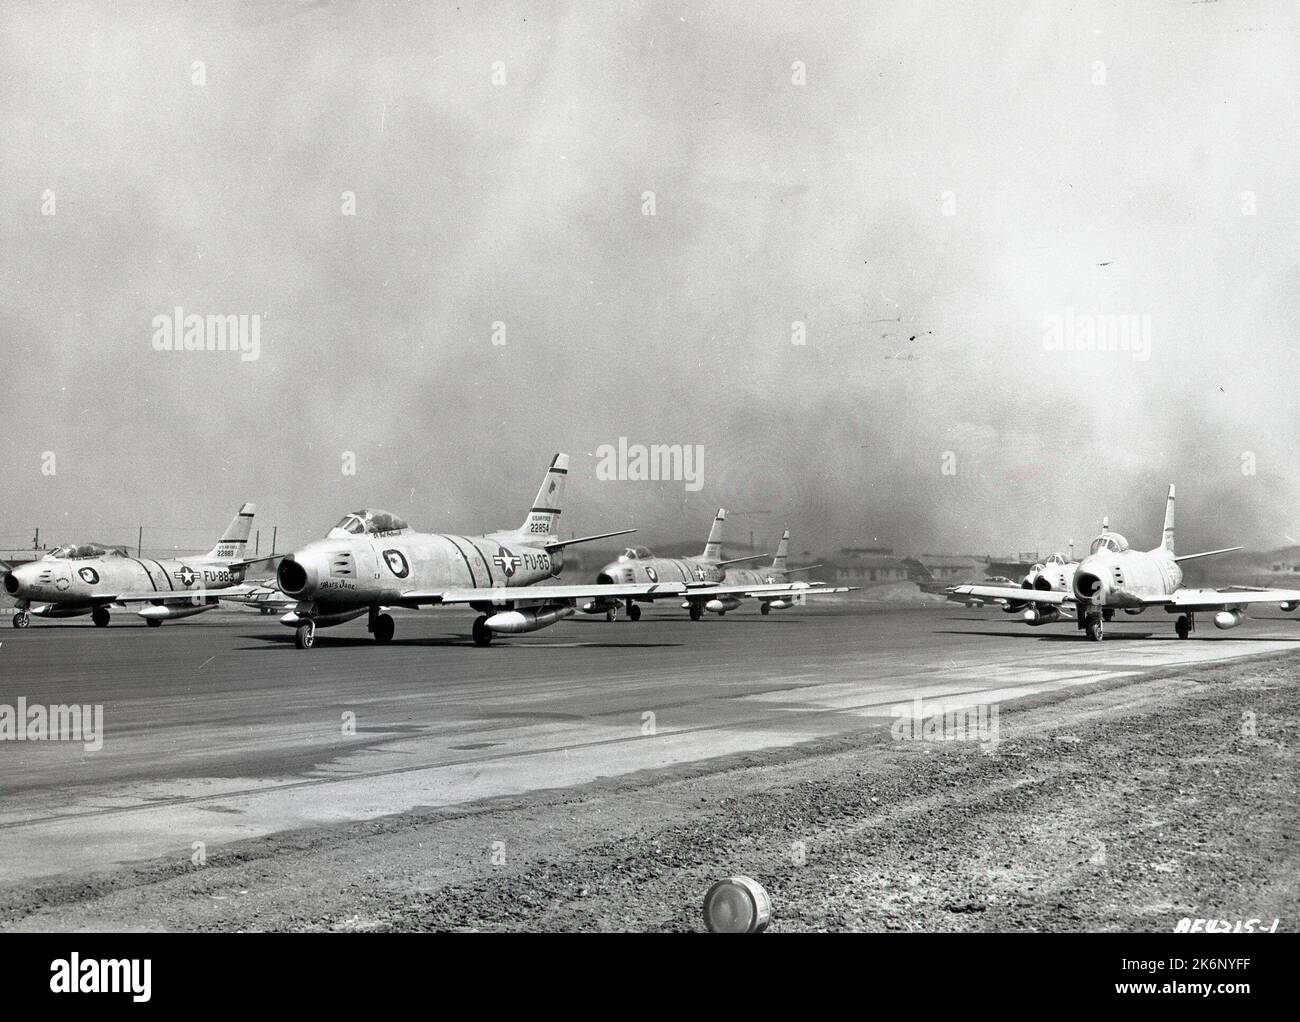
[(638, 564), (712, 583), (1114, 577), (89, 578), (373, 559)]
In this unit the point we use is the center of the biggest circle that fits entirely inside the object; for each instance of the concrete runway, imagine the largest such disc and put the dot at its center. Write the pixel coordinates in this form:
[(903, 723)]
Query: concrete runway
[(217, 729)]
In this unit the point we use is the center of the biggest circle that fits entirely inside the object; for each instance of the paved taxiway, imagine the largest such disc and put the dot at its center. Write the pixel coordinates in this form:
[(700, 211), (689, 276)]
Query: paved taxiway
[(217, 729)]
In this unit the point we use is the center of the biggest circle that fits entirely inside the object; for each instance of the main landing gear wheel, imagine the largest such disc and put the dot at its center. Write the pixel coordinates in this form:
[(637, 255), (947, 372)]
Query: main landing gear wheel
[(482, 633), (765, 609), (384, 628), (1093, 627), (153, 622), (1183, 626), (22, 619), (634, 612), (697, 612), (100, 616), (304, 636), (611, 615)]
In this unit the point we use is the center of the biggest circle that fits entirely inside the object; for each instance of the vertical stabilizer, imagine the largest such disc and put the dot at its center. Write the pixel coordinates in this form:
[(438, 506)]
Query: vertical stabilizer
[(233, 544), (713, 547)]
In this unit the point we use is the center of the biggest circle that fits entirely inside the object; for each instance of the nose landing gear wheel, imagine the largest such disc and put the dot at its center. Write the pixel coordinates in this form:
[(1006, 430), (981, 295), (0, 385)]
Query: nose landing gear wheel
[(304, 637), (1182, 626), (1093, 628), (384, 628), (22, 619), (482, 633), (100, 616), (634, 612)]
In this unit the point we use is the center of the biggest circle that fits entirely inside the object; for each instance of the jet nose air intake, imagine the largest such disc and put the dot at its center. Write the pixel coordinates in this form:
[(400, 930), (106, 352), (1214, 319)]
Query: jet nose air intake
[(293, 577), (1088, 586), (11, 583)]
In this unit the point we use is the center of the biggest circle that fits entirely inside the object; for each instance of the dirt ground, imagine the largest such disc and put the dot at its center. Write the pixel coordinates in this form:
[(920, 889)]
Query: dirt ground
[(1124, 807)]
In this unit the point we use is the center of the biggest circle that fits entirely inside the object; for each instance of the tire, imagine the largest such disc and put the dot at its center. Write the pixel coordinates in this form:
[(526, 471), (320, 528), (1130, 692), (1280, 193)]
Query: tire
[(766, 608), (482, 633), (634, 612), (1094, 629), (697, 612), (304, 637), (100, 616), (609, 617), (22, 619), (1181, 628), (384, 628), (153, 622)]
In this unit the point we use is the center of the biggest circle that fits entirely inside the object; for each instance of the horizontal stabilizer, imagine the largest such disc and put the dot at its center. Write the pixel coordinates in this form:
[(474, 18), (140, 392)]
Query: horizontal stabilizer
[(1208, 553), (560, 544)]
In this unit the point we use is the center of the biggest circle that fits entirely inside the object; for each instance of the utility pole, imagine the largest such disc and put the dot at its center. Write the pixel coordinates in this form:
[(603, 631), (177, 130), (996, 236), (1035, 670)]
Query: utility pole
[(139, 542), (257, 542), (274, 531), (740, 514), (36, 543)]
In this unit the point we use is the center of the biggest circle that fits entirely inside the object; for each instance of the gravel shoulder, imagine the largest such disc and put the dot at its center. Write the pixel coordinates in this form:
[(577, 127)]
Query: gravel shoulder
[(1120, 807)]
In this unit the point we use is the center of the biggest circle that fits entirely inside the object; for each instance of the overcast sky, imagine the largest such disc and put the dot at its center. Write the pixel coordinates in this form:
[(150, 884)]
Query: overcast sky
[(957, 172)]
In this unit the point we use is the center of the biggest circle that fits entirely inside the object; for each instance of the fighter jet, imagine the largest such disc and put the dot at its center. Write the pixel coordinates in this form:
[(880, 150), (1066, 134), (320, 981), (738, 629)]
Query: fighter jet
[(1112, 576), (712, 583), (372, 559), (1055, 574), (89, 578), (770, 586), (638, 564)]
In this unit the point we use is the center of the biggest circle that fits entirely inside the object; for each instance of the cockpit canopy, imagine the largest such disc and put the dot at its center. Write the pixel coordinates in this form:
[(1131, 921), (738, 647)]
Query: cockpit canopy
[(369, 522), (636, 553), (1057, 558), (85, 552), (1111, 541)]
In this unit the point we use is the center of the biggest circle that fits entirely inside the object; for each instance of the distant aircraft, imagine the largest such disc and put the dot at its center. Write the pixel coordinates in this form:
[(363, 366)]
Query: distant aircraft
[(373, 559), (1113, 577), (89, 578), (712, 583), (1054, 574), (770, 586), (638, 564)]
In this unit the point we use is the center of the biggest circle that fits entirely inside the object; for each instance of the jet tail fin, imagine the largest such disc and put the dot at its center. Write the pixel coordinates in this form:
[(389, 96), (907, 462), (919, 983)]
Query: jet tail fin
[(779, 562), (1167, 537), (544, 516), (233, 543), (713, 545)]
